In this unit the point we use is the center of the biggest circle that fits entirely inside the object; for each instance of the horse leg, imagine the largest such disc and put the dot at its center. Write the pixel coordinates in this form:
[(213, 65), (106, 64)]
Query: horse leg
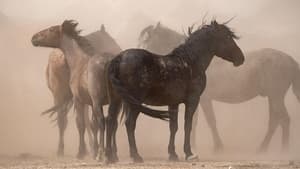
[(285, 125), (190, 108), (114, 144), (111, 123), (95, 128), (114, 141), (173, 125), (87, 123), (62, 124), (276, 105), (99, 122), (193, 132), (211, 121), (130, 127), (81, 129)]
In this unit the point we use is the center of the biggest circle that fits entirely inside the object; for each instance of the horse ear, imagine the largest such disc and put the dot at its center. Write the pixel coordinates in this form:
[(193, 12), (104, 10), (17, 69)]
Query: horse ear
[(69, 25), (102, 28), (214, 23), (158, 24)]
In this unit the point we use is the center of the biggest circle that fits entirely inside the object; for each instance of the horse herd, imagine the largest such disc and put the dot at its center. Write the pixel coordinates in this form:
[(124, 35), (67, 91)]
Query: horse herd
[(93, 71)]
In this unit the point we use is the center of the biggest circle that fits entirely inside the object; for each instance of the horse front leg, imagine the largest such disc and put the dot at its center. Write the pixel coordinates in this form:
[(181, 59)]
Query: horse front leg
[(196, 88), (173, 126), (79, 108), (194, 132)]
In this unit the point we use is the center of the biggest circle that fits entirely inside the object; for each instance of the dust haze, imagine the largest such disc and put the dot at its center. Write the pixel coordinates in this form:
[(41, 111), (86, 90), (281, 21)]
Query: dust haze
[(24, 93)]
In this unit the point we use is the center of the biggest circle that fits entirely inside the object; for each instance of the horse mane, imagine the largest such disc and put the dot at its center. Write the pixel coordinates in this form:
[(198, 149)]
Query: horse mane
[(102, 41), (183, 51), (213, 25), (69, 27)]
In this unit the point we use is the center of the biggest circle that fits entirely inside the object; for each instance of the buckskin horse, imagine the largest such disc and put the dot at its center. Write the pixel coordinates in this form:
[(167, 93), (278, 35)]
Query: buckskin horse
[(58, 77), (86, 67)]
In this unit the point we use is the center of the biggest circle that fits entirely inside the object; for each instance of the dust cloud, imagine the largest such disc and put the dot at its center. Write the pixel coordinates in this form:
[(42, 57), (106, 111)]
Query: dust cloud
[(24, 93)]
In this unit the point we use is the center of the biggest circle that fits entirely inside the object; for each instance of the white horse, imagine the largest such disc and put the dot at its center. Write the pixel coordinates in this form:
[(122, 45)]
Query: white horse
[(266, 72)]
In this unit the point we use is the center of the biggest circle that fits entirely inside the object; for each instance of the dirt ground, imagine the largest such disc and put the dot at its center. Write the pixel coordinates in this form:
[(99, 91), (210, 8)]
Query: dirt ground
[(28, 161)]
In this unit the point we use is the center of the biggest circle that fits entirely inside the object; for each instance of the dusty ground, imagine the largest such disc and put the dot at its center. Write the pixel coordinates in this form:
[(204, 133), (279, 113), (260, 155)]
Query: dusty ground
[(32, 162)]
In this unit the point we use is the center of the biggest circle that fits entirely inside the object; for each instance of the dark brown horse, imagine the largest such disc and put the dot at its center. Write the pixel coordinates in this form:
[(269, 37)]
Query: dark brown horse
[(263, 70), (86, 67), (138, 76), (58, 77)]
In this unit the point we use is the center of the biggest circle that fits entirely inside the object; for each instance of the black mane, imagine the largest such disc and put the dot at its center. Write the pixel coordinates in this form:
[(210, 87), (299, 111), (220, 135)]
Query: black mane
[(186, 51), (69, 28), (213, 26)]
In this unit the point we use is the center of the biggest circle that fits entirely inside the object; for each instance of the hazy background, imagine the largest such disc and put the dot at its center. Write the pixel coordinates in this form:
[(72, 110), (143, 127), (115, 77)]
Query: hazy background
[(24, 94)]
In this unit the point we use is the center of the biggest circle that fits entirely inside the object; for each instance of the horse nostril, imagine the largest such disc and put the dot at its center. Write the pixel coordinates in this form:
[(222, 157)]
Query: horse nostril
[(34, 40)]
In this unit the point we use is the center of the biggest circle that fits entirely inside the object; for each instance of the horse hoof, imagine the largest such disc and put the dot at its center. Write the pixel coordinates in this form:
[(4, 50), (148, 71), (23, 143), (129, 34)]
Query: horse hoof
[(173, 158), (80, 156), (108, 161), (115, 158), (60, 153), (100, 157), (192, 158), (261, 150), (218, 149), (138, 159)]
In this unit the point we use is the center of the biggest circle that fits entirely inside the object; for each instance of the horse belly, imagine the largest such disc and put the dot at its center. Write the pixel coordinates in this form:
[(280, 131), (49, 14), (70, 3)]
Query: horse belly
[(170, 95), (234, 94)]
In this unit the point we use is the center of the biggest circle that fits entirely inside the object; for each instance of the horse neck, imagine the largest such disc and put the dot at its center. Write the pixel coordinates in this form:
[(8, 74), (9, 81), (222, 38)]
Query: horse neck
[(75, 56), (196, 53)]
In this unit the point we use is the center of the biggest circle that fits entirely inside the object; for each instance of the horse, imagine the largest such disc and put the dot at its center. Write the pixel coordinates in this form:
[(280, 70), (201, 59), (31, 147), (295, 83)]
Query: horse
[(270, 74), (138, 77), (58, 76), (86, 73)]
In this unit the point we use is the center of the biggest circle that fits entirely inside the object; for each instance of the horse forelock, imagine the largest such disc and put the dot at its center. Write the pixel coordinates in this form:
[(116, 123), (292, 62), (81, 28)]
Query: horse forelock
[(69, 27)]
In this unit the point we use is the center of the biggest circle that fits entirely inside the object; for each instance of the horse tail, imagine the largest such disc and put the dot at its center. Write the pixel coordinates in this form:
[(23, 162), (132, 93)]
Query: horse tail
[(60, 108), (113, 71), (296, 83), (124, 115)]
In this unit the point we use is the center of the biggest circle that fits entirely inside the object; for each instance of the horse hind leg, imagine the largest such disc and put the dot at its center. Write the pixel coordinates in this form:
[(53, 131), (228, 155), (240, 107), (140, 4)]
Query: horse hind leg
[(278, 116), (130, 127), (79, 108), (111, 123), (95, 128), (88, 126), (173, 125), (98, 123), (62, 124), (285, 125), (209, 114), (114, 141)]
